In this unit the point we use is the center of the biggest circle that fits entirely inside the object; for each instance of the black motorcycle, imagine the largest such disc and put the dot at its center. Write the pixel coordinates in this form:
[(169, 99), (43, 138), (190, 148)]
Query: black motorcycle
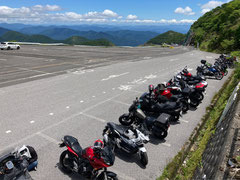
[(128, 139), (151, 107), (157, 125)]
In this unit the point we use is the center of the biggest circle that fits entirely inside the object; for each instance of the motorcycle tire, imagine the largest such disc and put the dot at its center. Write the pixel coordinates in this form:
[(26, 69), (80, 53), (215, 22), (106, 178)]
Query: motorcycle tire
[(185, 107), (200, 96), (160, 133), (143, 158), (61, 161), (218, 75), (226, 73), (175, 118), (194, 103), (125, 120)]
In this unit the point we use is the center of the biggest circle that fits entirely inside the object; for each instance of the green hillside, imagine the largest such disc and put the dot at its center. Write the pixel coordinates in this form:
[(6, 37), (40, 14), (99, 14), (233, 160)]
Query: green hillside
[(168, 37), (219, 29), (77, 40), (16, 36)]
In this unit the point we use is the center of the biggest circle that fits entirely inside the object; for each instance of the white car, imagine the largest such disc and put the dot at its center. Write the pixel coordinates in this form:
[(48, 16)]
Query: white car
[(9, 45)]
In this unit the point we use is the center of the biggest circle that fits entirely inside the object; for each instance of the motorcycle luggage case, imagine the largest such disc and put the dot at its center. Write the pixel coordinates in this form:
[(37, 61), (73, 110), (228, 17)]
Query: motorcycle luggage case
[(163, 118)]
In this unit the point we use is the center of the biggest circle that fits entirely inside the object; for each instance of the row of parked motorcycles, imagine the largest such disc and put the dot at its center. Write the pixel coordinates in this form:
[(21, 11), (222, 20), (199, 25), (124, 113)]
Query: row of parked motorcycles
[(149, 116)]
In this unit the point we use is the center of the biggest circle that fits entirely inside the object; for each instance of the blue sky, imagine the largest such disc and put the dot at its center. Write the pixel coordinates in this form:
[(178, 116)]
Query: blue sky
[(105, 11)]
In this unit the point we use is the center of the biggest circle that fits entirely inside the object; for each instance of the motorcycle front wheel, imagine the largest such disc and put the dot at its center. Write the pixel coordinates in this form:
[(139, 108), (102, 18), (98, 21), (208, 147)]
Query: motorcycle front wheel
[(218, 75), (143, 158), (185, 107), (62, 160), (125, 120)]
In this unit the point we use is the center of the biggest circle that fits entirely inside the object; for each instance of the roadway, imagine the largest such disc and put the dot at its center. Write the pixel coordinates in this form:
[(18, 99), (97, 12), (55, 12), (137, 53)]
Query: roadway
[(83, 97)]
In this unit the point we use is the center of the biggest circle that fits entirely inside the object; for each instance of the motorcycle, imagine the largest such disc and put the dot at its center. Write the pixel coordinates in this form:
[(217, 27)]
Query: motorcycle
[(88, 162), (128, 139), (14, 167), (157, 125), (151, 107), (209, 71)]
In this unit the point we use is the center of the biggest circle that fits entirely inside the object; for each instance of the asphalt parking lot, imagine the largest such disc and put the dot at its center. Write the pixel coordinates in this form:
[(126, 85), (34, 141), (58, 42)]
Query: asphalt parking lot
[(82, 98), (36, 62)]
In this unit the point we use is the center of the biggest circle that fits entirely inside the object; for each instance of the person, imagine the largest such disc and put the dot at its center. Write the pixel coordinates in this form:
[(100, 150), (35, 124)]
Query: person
[(31, 154)]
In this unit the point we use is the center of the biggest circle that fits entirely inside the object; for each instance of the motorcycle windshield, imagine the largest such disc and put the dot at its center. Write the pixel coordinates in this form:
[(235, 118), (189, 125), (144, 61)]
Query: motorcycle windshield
[(108, 155)]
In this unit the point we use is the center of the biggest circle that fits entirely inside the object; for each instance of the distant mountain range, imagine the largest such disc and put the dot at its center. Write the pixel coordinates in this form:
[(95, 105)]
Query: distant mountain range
[(74, 40), (119, 35), (53, 34)]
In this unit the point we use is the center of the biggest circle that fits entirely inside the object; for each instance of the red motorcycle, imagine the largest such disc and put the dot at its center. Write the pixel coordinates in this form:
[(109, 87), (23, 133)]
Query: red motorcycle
[(87, 162)]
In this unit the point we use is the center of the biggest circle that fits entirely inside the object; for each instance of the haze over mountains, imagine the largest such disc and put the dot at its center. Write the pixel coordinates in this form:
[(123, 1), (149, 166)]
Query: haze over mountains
[(119, 35)]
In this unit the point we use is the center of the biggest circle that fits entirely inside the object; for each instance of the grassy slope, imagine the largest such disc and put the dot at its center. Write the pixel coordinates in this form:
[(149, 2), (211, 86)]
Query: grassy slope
[(219, 29)]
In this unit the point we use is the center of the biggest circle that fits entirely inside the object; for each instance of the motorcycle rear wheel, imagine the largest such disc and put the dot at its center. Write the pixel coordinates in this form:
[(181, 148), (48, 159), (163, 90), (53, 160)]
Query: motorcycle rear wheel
[(143, 158), (125, 120), (61, 161), (194, 103)]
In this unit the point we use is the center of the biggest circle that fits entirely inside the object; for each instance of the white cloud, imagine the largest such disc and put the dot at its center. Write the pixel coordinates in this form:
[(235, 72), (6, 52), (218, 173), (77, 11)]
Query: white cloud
[(130, 17), (210, 5), (109, 13), (53, 14), (187, 11), (46, 8)]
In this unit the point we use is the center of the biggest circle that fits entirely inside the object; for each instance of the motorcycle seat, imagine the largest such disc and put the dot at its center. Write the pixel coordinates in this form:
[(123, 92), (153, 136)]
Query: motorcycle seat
[(119, 128), (74, 144), (167, 105)]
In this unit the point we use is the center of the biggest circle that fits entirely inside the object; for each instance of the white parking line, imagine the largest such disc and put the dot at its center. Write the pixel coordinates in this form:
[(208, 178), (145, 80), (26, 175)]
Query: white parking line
[(121, 102), (166, 144), (132, 90), (48, 138), (182, 120), (114, 76), (32, 122), (3, 60), (51, 114), (8, 131), (93, 117)]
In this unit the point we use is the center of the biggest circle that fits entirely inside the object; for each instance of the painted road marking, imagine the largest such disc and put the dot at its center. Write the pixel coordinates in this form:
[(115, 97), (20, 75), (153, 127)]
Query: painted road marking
[(121, 102), (67, 107), (48, 138), (174, 59), (182, 120), (125, 87), (114, 76), (93, 96), (51, 114), (104, 92), (81, 101), (166, 144), (93, 117), (8, 131), (32, 122), (3, 60), (151, 76)]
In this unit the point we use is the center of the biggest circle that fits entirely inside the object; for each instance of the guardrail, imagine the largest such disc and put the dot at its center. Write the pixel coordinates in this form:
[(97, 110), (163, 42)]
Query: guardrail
[(214, 149)]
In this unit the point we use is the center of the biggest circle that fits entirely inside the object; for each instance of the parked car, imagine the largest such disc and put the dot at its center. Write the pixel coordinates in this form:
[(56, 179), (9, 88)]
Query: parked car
[(9, 45)]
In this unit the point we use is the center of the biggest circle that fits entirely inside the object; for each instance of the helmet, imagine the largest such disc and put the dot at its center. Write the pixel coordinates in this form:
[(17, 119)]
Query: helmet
[(161, 87), (23, 151), (150, 88), (98, 144)]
